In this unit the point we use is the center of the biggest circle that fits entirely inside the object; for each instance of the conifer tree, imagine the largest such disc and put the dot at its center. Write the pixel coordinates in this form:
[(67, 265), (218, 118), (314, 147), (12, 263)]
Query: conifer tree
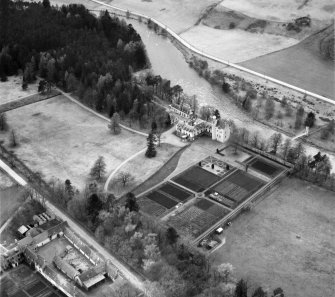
[(151, 151), (98, 170)]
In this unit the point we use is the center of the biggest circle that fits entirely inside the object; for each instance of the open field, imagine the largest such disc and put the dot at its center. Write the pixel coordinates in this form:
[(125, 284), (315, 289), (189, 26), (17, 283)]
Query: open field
[(11, 89), (235, 45), (10, 199), (283, 10), (264, 248), (59, 139), (300, 65)]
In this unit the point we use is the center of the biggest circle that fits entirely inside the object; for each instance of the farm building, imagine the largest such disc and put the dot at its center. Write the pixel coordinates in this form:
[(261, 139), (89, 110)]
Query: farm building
[(89, 271)]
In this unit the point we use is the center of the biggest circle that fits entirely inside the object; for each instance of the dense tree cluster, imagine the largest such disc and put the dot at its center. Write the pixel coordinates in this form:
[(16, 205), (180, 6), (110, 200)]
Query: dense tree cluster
[(73, 49)]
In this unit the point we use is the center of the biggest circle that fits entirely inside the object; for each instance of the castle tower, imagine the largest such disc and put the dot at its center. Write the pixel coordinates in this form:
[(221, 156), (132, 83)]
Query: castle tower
[(214, 122)]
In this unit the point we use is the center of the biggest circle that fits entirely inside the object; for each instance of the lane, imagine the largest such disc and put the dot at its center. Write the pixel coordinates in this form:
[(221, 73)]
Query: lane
[(132, 277)]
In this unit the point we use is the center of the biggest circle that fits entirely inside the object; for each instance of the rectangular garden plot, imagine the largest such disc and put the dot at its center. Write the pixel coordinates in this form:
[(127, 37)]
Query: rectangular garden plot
[(175, 191), (162, 199), (238, 186), (151, 207), (266, 168), (36, 288), (197, 218), (196, 179)]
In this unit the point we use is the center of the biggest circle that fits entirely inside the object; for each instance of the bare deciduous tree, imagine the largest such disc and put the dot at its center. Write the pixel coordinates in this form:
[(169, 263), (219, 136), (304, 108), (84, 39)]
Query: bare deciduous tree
[(124, 178)]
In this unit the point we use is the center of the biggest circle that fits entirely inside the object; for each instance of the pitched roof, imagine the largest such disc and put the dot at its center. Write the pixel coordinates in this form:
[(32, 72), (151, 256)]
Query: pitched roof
[(25, 241), (41, 237), (92, 272), (56, 229), (65, 267)]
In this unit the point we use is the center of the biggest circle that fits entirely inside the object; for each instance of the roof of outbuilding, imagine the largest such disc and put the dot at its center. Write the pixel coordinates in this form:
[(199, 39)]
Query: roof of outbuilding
[(62, 265)]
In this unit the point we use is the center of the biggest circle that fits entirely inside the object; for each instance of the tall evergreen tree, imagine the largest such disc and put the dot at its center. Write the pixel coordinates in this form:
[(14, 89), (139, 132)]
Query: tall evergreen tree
[(3, 122), (241, 289), (217, 114), (98, 170), (69, 189), (171, 235), (131, 202), (151, 151)]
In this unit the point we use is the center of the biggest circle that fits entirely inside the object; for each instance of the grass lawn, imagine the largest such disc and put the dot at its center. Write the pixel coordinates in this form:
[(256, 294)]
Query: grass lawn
[(328, 144), (161, 174), (141, 168), (60, 139), (11, 89), (10, 199), (263, 247)]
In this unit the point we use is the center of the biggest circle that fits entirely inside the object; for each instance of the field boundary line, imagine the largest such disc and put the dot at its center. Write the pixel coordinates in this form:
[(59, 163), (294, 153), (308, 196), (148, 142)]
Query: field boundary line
[(98, 114), (201, 53)]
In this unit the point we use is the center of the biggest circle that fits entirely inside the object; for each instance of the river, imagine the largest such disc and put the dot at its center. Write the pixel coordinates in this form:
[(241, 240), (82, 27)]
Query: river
[(168, 62)]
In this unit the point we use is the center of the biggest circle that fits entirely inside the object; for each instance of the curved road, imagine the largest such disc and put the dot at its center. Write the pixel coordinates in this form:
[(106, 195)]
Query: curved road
[(201, 53)]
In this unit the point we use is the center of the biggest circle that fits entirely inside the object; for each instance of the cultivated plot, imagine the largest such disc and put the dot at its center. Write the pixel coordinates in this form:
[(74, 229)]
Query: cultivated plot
[(234, 189), (268, 169), (196, 179), (197, 218), (163, 199), (22, 282)]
